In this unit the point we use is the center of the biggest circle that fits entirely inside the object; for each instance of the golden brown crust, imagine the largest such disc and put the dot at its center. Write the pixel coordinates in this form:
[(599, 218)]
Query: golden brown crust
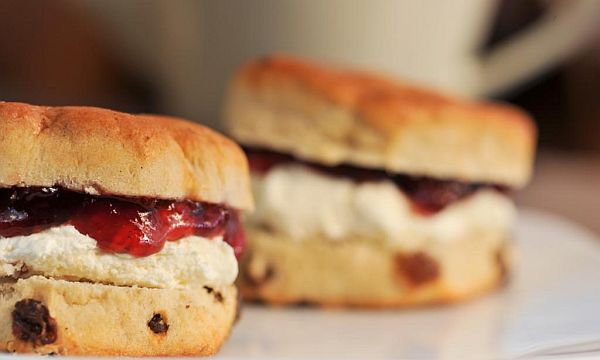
[(96, 319), (107, 152), (334, 116), (279, 270)]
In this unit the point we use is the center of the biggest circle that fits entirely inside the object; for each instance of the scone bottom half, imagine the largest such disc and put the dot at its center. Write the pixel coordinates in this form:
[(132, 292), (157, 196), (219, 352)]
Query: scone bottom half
[(119, 233), (58, 317)]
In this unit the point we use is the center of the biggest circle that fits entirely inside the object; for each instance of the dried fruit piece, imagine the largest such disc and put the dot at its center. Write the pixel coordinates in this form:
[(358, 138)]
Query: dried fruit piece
[(417, 268), (157, 324), (31, 322)]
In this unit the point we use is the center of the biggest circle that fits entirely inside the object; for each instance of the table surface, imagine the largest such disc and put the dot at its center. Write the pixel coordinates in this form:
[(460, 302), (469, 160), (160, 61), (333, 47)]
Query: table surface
[(566, 184)]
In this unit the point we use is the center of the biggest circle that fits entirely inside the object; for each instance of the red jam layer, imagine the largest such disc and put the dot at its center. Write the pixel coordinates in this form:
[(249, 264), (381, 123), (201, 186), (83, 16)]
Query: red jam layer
[(139, 227), (427, 195)]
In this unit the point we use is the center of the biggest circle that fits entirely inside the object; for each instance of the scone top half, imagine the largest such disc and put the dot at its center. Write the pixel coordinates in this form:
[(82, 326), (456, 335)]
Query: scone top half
[(118, 199), (332, 116)]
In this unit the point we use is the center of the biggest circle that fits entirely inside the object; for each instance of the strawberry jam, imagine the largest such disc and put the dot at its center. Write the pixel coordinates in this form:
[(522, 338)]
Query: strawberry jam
[(139, 227), (427, 195)]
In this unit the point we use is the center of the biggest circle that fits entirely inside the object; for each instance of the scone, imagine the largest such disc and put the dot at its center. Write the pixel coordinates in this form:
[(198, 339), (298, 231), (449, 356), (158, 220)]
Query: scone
[(118, 233), (370, 191)]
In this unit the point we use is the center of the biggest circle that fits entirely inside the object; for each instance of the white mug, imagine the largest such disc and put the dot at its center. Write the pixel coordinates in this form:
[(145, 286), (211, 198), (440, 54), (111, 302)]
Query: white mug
[(191, 47)]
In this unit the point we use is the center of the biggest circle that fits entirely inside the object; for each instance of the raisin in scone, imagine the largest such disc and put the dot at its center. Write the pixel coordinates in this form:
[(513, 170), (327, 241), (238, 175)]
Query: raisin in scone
[(370, 191), (118, 233)]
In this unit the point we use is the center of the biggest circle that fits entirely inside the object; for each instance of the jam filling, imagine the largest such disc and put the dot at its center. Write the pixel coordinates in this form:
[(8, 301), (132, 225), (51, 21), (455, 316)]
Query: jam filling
[(135, 226), (427, 195)]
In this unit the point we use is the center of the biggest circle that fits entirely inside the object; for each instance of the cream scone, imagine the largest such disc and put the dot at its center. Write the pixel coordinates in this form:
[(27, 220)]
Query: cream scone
[(372, 192), (118, 233)]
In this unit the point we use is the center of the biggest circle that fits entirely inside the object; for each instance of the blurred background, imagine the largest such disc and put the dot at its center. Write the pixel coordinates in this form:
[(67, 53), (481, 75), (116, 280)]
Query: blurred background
[(176, 57)]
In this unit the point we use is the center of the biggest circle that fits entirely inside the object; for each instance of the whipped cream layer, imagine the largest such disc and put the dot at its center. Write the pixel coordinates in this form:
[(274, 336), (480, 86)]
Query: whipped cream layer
[(63, 252), (300, 202)]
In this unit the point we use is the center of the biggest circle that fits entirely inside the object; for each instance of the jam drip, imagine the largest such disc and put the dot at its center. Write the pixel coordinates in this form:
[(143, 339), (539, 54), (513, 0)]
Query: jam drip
[(139, 227), (427, 195)]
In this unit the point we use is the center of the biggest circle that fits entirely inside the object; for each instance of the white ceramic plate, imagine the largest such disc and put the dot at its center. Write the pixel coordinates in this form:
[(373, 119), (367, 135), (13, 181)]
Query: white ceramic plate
[(551, 308)]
